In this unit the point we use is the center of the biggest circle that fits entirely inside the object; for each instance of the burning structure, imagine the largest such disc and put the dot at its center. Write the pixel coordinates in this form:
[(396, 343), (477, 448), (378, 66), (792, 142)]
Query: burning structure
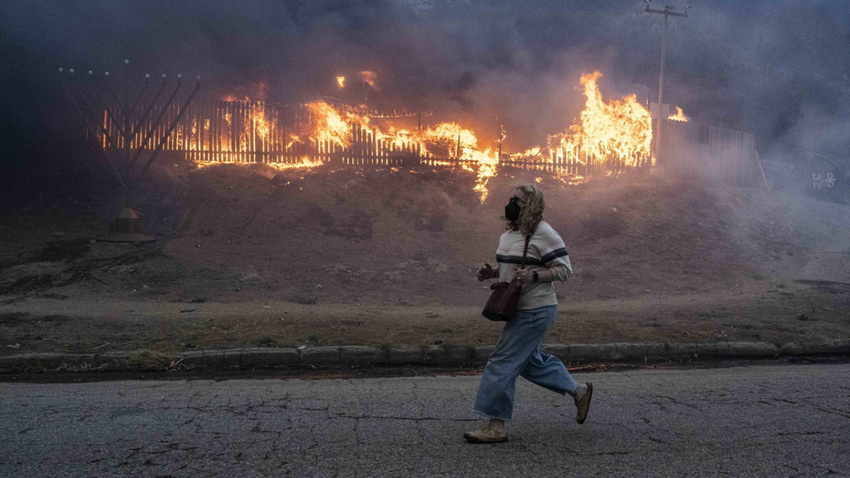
[(608, 138)]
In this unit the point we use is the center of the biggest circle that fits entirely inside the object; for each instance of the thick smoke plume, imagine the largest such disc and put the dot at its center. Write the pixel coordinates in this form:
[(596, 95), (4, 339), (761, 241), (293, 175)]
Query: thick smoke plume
[(780, 70)]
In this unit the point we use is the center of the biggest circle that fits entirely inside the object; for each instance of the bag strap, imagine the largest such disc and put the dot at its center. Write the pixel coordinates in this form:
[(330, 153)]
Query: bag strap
[(525, 251)]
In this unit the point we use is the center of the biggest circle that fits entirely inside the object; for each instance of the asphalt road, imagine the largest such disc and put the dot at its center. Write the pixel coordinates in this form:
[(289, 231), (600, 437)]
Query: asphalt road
[(761, 420)]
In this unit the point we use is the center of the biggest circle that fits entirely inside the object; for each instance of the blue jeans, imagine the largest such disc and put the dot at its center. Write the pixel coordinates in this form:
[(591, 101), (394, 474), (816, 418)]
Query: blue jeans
[(518, 353)]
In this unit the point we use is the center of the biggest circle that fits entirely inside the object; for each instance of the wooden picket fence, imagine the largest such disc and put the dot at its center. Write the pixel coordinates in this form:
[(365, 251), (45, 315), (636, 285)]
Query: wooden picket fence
[(266, 132), (709, 152)]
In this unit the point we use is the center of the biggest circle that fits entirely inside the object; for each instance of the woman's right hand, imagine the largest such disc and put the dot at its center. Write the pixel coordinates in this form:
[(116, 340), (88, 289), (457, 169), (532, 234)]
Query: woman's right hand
[(486, 272)]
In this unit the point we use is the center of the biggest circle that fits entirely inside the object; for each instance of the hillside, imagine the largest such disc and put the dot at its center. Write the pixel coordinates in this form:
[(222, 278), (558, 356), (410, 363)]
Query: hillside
[(644, 248)]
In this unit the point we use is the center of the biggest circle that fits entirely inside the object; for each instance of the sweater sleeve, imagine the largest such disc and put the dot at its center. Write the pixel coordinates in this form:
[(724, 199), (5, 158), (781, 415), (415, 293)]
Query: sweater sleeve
[(554, 255)]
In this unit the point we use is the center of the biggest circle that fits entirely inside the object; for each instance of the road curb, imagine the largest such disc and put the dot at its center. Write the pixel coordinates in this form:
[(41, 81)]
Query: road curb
[(445, 355)]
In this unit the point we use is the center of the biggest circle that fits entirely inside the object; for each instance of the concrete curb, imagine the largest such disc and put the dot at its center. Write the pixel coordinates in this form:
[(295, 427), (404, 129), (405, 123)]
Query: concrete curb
[(359, 356)]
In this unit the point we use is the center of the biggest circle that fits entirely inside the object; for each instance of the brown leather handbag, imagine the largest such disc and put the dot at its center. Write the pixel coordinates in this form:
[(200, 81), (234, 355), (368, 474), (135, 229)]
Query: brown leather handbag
[(501, 305)]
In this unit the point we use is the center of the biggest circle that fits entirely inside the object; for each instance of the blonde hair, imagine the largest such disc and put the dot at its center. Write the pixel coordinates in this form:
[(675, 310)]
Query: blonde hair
[(532, 213)]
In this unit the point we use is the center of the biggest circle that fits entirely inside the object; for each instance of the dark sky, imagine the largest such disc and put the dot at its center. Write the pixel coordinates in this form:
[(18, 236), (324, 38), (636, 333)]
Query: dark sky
[(778, 69)]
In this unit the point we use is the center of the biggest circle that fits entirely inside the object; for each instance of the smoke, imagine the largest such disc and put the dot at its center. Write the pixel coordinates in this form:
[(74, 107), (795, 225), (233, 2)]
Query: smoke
[(780, 70)]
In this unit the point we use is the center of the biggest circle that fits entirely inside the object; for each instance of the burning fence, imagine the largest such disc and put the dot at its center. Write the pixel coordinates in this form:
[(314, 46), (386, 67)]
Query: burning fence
[(608, 138), (619, 131)]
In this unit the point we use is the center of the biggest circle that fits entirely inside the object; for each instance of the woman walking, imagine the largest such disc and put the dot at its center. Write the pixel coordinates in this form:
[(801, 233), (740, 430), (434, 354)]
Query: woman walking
[(518, 350)]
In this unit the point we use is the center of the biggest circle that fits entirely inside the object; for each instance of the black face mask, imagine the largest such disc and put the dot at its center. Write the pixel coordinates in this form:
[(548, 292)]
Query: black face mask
[(512, 210)]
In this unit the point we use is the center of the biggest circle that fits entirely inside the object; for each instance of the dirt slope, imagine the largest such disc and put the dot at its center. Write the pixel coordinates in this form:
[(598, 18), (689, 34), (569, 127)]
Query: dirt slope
[(235, 233), (395, 235), (684, 255)]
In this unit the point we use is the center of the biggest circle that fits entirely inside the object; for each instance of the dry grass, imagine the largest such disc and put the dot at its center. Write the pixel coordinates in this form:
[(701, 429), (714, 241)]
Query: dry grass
[(382, 257)]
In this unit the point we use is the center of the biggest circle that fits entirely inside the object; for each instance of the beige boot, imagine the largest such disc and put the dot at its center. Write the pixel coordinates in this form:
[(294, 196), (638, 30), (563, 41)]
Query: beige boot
[(583, 404), (485, 435)]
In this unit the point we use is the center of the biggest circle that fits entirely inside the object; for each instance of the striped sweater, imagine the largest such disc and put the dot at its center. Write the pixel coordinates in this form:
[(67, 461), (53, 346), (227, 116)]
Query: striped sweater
[(545, 250)]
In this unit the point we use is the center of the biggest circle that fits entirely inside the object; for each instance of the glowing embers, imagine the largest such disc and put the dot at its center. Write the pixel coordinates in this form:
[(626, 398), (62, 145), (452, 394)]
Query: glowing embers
[(305, 163)]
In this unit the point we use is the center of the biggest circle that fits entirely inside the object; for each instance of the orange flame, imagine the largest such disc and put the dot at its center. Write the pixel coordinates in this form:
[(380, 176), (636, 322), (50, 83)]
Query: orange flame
[(679, 116), (530, 153), (329, 125), (620, 128), (449, 139), (340, 81), (305, 163), (261, 124), (446, 139)]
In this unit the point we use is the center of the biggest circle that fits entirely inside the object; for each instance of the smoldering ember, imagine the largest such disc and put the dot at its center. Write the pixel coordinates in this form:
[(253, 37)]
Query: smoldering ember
[(262, 193)]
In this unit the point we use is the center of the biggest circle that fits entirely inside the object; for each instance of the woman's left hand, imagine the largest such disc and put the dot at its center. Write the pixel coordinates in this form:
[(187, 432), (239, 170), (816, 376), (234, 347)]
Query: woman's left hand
[(523, 276)]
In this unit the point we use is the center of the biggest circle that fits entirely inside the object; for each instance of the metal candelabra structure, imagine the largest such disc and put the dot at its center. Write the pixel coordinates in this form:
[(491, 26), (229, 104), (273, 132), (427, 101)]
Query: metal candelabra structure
[(135, 131)]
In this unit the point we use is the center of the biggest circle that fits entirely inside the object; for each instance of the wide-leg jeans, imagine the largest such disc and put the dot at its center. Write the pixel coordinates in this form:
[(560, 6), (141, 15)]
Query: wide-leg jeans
[(518, 353)]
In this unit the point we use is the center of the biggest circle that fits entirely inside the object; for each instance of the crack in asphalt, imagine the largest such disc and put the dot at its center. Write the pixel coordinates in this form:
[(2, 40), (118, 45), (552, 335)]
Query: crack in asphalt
[(678, 402), (303, 429)]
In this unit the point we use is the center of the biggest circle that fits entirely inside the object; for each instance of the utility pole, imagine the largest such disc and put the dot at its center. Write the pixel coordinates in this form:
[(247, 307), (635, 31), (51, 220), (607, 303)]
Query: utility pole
[(501, 132), (668, 10)]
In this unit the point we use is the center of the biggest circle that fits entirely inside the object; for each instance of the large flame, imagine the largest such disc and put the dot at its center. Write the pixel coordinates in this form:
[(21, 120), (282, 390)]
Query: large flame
[(620, 129), (328, 124)]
